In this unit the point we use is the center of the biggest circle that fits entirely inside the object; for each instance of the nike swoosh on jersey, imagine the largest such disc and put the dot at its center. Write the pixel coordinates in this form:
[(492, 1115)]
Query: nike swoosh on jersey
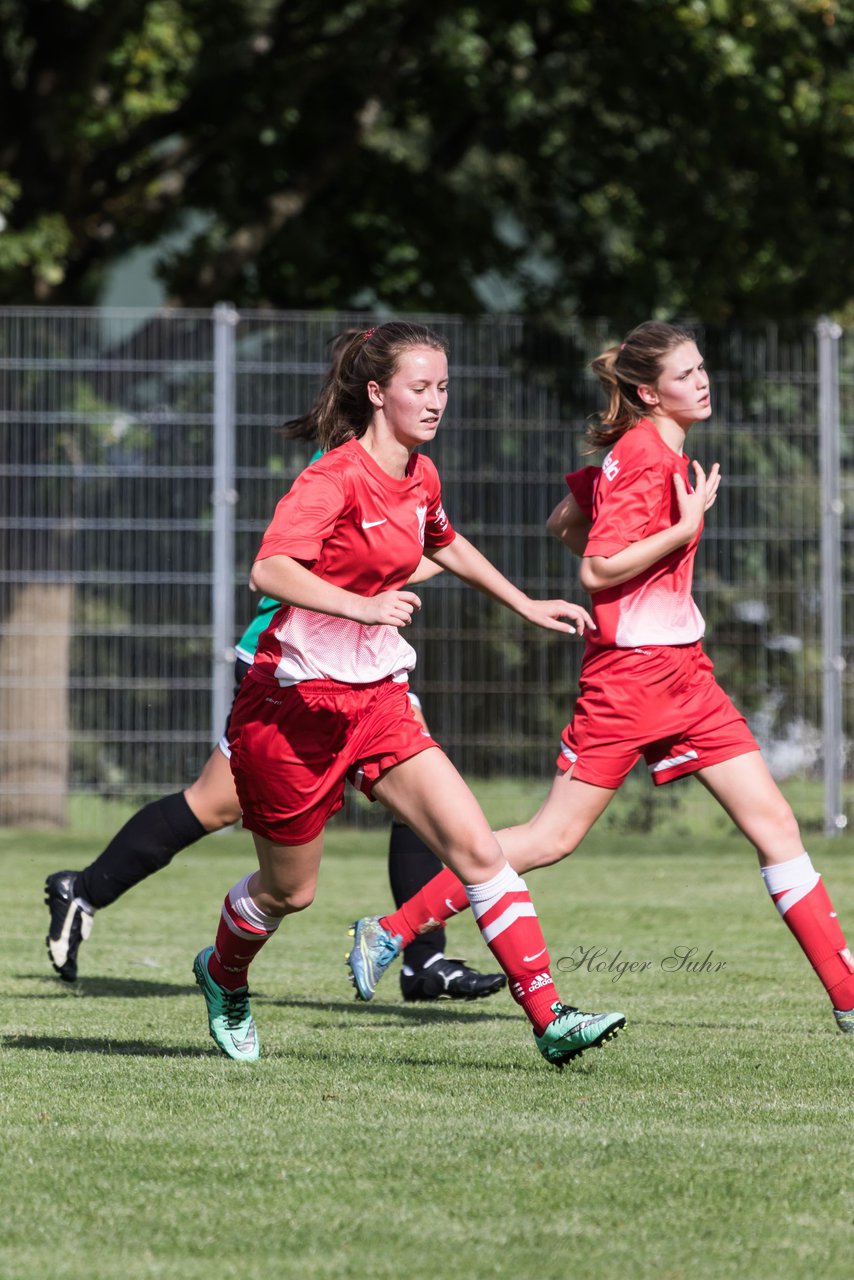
[(371, 524)]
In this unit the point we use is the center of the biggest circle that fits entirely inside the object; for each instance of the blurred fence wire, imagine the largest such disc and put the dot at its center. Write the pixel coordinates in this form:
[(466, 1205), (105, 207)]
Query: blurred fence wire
[(140, 464)]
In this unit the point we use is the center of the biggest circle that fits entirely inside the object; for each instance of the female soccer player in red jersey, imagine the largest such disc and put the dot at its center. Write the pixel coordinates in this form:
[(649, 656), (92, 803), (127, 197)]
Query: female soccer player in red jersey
[(326, 698), (646, 685), (152, 837)]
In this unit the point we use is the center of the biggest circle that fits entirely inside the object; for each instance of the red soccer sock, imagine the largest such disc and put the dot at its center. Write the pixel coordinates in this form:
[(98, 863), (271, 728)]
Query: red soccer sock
[(813, 921), (429, 908), (243, 931), (508, 921)]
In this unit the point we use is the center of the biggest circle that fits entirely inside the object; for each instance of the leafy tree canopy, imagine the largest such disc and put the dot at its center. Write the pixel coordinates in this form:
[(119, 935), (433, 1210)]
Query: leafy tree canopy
[(619, 157)]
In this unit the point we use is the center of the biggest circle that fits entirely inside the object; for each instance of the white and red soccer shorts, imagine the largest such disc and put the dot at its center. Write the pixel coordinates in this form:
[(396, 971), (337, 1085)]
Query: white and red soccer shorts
[(660, 702), (293, 748)]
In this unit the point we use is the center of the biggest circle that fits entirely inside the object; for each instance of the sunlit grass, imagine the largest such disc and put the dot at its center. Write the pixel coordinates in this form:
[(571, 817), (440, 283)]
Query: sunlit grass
[(712, 1139)]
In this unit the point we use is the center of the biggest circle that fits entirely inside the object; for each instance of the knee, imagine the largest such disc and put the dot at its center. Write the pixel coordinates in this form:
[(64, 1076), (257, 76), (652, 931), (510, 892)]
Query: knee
[(213, 811), (478, 856), (775, 833), (221, 816), (784, 823), (287, 902), (227, 815)]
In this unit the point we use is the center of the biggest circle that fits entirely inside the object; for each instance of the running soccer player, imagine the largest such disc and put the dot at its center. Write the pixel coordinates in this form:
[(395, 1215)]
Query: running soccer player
[(646, 686), (151, 838), (326, 697)]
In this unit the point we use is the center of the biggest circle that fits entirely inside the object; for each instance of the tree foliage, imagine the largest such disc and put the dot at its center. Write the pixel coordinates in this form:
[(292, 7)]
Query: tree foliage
[(615, 157)]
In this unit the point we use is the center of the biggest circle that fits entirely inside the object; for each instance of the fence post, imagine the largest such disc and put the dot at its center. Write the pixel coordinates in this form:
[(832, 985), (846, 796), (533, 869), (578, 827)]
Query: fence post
[(828, 334), (223, 499)]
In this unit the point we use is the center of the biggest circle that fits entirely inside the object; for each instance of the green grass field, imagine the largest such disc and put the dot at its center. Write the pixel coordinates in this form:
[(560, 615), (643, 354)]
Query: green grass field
[(711, 1139)]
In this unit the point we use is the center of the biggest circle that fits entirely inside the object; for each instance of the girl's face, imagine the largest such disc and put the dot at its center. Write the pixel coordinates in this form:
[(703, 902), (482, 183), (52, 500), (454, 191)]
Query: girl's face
[(414, 400), (681, 392)]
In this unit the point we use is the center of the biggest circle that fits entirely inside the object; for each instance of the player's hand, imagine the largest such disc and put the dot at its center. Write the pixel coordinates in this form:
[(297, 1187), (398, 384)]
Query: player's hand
[(547, 614), (713, 483), (389, 608), (692, 506)]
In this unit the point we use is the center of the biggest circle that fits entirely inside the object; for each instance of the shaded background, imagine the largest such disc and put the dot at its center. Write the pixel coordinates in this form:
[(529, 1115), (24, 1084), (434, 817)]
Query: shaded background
[(532, 177)]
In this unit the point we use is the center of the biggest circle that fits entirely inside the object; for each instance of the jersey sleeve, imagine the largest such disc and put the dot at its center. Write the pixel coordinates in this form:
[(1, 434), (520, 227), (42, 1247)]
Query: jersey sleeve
[(305, 516), (624, 507), (582, 486), (438, 531)]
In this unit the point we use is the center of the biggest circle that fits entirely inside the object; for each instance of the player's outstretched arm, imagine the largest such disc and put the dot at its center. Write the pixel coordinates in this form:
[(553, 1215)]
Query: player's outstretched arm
[(426, 570), (464, 560)]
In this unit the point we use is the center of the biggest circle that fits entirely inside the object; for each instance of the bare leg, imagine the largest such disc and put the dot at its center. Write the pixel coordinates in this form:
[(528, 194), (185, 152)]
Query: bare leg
[(212, 797), (429, 795), (753, 800), (745, 789), (285, 882), (558, 827), (568, 813), (286, 879)]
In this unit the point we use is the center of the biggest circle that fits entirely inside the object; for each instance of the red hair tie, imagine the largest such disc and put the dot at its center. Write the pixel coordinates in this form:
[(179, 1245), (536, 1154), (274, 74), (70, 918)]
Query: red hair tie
[(369, 333)]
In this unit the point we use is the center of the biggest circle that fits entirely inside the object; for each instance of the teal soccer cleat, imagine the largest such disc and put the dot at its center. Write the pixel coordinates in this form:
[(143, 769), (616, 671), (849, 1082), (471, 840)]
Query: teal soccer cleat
[(232, 1026), (374, 948), (572, 1032)]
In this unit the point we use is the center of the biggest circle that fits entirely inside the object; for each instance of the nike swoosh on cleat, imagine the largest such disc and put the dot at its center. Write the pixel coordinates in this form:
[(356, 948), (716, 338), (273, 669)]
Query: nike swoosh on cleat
[(529, 959)]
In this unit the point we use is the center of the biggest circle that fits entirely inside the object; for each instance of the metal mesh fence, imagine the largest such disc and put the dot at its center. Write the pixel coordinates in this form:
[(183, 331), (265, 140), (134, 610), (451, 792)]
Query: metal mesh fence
[(108, 578)]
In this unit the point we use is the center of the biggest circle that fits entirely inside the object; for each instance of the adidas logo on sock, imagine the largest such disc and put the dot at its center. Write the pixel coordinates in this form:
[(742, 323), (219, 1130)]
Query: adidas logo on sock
[(541, 980)]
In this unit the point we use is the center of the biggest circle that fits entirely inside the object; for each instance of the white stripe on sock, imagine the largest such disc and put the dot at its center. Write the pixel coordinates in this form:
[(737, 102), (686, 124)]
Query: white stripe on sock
[(483, 896), (247, 909), (793, 880), (514, 912)]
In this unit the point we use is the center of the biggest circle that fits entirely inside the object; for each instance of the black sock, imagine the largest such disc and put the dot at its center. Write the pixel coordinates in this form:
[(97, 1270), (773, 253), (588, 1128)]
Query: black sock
[(146, 843), (410, 865)]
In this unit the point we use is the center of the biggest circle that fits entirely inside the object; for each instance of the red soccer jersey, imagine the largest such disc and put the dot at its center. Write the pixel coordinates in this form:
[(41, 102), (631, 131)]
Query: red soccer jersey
[(634, 499), (354, 525)]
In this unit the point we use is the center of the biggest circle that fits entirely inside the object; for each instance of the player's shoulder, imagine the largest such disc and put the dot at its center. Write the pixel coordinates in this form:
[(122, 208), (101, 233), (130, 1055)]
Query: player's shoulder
[(638, 449), (338, 459), (640, 445), (337, 466)]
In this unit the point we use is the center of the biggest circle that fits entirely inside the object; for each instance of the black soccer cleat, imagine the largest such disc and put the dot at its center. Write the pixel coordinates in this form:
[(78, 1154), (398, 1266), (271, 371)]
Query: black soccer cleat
[(444, 979), (69, 923)]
